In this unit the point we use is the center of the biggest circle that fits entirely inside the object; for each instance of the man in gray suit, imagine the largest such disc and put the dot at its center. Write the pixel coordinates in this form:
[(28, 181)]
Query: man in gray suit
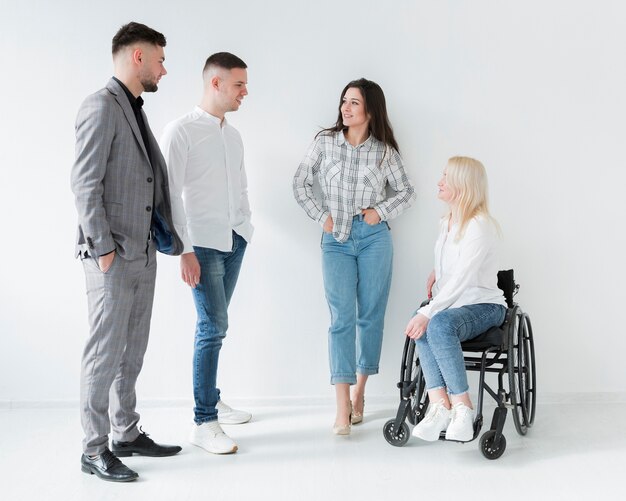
[(120, 182)]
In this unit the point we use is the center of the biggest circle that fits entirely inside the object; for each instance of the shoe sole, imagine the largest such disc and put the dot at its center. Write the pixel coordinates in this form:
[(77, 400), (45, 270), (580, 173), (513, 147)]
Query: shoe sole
[(233, 421), (232, 451), (416, 433), (90, 471), (426, 439), (461, 440), (342, 430), (126, 454)]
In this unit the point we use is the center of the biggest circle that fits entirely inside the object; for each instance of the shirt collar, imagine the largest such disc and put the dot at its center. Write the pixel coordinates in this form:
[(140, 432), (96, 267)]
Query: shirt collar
[(135, 102), (340, 139), (213, 118)]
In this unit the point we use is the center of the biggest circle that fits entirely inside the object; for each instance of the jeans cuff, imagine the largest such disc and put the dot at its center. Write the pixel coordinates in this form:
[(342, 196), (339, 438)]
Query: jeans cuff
[(457, 393), (343, 379), (436, 388), (367, 371), (204, 420)]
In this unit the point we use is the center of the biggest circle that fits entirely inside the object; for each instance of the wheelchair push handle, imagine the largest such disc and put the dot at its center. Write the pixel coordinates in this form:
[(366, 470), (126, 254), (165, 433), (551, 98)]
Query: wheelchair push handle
[(506, 283)]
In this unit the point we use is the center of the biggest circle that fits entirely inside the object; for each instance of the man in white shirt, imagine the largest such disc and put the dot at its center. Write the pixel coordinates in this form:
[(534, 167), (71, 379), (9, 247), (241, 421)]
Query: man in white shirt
[(208, 187)]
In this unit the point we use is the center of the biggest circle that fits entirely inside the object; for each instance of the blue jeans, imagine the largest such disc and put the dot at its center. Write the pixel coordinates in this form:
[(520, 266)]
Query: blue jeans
[(357, 277), (219, 272), (439, 349)]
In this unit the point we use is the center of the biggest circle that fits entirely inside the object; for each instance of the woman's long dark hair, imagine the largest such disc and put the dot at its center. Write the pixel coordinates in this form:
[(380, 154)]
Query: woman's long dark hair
[(375, 106)]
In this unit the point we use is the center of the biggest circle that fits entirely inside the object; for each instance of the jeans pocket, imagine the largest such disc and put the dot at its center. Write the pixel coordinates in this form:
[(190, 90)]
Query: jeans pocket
[(372, 229), (324, 237)]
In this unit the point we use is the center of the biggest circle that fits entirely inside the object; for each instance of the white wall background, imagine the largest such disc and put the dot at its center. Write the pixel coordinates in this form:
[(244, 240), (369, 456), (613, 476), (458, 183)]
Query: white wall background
[(534, 89)]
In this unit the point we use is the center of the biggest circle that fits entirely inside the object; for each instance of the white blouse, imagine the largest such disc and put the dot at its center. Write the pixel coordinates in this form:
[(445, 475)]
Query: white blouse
[(466, 272)]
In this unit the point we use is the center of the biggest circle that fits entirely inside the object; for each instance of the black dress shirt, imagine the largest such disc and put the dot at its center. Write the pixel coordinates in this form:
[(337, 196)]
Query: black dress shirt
[(136, 103)]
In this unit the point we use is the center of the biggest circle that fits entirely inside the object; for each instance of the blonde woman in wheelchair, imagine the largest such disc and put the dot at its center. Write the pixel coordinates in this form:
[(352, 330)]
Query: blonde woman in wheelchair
[(466, 300)]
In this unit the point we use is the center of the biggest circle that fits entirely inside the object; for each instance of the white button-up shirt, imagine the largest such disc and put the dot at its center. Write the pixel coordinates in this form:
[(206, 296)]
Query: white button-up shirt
[(466, 271), (351, 178), (207, 180)]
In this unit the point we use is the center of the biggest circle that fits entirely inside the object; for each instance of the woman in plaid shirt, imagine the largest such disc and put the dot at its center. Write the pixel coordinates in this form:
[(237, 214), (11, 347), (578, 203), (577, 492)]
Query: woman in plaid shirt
[(354, 161)]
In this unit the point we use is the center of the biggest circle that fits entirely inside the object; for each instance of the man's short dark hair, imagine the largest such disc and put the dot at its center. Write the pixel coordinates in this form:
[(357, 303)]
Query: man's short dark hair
[(224, 60), (136, 32)]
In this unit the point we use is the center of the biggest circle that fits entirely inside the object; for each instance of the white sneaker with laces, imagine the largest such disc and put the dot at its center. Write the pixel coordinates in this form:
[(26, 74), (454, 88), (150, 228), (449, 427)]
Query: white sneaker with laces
[(461, 427), (210, 437), (435, 421), (227, 415)]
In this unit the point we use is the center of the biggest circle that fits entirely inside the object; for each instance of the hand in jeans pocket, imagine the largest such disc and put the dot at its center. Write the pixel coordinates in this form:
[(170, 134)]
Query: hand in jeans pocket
[(370, 216), (329, 224)]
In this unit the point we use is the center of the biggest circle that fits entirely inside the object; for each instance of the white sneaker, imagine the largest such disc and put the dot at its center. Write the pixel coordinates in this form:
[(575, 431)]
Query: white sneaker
[(461, 427), (212, 438), (227, 415), (435, 421)]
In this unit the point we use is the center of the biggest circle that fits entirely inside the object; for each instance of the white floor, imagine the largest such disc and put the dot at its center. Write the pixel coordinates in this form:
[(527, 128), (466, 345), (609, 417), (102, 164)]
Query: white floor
[(573, 452)]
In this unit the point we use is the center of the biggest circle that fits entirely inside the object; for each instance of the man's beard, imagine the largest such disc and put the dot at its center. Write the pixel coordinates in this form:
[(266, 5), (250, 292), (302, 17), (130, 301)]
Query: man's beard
[(149, 82), (149, 86)]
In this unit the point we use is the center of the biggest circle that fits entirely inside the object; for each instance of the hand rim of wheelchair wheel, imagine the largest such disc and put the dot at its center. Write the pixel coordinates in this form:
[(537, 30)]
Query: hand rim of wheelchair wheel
[(531, 396), (411, 371), (521, 371)]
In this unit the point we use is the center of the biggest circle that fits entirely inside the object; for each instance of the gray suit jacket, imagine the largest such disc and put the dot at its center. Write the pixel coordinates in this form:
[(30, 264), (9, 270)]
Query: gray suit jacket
[(117, 190)]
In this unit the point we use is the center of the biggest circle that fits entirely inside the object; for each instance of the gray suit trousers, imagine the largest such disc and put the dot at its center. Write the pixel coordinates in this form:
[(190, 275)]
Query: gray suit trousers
[(120, 307)]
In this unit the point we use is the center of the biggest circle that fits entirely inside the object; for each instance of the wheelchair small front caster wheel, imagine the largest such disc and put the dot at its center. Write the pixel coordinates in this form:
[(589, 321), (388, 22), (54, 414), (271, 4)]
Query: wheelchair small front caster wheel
[(488, 447), (399, 438)]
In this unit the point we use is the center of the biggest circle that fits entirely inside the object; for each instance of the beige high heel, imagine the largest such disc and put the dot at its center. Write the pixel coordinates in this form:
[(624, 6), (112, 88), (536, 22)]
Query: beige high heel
[(344, 429), (357, 417)]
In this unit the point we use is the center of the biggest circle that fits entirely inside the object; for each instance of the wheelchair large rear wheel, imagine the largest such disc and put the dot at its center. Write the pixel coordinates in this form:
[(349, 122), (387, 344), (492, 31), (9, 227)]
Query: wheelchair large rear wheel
[(521, 365), (412, 371)]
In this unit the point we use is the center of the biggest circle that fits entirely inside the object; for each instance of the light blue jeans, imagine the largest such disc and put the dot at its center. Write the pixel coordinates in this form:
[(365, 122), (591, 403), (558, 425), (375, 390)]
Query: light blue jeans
[(439, 349), (218, 277), (357, 277)]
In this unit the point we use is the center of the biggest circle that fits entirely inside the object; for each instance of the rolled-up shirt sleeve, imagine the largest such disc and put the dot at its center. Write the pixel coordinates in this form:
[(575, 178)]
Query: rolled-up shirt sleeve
[(399, 182), (303, 183)]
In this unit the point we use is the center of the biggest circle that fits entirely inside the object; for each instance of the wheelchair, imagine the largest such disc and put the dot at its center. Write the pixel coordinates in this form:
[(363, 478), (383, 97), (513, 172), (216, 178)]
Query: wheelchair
[(507, 350)]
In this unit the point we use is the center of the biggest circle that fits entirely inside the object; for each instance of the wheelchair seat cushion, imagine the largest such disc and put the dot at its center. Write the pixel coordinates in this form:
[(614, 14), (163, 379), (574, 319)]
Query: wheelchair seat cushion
[(494, 337)]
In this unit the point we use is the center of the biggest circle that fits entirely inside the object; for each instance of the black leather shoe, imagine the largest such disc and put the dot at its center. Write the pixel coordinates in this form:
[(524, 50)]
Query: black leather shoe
[(144, 446), (107, 467)]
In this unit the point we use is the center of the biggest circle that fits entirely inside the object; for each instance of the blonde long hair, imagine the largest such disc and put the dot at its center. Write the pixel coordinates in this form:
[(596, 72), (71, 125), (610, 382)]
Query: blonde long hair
[(467, 179)]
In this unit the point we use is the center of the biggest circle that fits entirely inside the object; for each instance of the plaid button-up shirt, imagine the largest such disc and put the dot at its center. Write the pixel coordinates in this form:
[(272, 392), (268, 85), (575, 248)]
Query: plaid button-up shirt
[(351, 178)]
